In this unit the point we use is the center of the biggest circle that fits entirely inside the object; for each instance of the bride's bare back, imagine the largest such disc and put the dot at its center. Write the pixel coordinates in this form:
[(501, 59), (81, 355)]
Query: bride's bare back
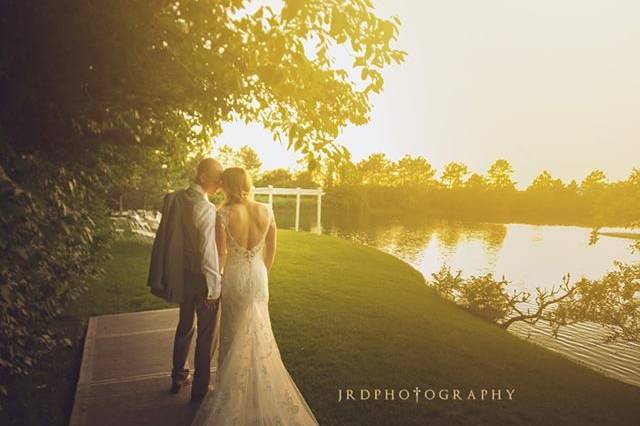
[(248, 224)]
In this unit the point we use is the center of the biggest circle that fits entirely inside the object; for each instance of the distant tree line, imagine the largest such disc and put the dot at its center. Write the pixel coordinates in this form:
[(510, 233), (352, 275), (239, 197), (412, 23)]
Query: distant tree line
[(412, 186)]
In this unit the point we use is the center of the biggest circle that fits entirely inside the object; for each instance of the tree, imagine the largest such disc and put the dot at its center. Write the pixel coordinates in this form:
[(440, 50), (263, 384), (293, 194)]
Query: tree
[(453, 175), (347, 172), (310, 168), (277, 177), (634, 177), (245, 157), (414, 171), (226, 155), (572, 187), (249, 160), (332, 170), (476, 182), (545, 182), (593, 182), (499, 175), (375, 169), (610, 301), (304, 179), (205, 58)]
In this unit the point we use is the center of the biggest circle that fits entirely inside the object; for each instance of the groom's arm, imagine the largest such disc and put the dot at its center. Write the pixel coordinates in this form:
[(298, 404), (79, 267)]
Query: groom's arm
[(206, 224)]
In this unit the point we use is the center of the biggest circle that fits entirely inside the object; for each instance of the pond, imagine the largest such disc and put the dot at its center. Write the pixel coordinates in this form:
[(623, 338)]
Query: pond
[(528, 256)]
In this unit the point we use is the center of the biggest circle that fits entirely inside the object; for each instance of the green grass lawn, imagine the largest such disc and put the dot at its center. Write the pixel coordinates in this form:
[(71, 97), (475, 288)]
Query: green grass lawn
[(348, 316)]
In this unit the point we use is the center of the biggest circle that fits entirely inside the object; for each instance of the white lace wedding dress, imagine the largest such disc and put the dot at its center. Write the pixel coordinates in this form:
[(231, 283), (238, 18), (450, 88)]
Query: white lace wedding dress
[(252, 385)]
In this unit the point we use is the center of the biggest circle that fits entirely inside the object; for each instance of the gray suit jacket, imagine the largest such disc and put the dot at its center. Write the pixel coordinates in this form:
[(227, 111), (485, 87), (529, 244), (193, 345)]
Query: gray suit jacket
[(166, 269)]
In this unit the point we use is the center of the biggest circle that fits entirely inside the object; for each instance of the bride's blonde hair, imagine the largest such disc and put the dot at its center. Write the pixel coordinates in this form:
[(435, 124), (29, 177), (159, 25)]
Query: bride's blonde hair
[(236, 185)]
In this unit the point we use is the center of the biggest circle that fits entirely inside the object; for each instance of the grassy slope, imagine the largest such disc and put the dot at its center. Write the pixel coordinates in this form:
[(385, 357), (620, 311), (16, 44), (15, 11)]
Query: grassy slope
[(350, 316)]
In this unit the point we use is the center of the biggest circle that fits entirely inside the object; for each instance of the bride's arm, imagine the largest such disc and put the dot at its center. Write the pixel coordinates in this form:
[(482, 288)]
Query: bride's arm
[(270, 245), (221, 243)]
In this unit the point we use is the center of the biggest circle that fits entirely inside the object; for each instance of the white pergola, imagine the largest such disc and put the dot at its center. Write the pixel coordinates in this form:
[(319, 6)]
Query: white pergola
[(270, 191)]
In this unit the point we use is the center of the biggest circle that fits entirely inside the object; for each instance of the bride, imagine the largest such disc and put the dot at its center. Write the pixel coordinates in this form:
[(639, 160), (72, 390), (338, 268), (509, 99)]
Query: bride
[(252, 385)]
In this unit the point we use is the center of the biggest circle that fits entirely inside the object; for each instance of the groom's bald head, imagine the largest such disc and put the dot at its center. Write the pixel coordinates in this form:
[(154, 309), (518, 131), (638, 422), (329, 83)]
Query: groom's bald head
[(208, 174)]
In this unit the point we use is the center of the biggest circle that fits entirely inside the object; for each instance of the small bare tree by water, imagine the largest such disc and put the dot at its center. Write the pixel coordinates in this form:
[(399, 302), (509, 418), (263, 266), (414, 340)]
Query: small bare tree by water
[(612, 301)]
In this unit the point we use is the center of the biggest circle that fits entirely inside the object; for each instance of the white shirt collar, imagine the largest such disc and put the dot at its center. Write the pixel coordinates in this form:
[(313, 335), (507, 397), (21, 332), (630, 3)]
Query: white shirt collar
[(198, 188)]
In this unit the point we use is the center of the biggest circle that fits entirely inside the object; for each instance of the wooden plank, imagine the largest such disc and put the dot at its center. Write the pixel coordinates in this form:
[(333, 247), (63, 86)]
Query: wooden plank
[(78, 413), (125, 373)]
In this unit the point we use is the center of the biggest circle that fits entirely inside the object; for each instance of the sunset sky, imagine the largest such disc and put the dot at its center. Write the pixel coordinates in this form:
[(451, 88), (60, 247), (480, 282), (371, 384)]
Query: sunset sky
[(545, 84)]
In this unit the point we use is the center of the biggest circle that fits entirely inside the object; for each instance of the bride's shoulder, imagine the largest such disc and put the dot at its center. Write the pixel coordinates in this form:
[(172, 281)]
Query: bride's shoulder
[(260, 206), (265, 209)]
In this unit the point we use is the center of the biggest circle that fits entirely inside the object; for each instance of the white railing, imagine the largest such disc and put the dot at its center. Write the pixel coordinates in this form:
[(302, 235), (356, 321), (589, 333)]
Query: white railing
[(141, 222), (298, 192)]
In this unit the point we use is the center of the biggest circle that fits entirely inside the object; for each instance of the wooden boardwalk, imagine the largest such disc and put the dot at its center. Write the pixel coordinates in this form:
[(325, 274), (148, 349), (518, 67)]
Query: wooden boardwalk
[(125, 373)]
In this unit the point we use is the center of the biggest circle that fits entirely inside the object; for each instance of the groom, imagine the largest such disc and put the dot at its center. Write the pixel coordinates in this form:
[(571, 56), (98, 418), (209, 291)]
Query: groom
[(184, 269)]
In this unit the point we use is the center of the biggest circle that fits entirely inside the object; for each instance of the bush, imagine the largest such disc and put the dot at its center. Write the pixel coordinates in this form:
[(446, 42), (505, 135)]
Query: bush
[(53, 232), (483, 295), (612, 301)]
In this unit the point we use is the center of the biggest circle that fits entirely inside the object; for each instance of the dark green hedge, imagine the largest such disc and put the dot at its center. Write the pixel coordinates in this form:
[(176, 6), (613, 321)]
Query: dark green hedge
[(53, 232)]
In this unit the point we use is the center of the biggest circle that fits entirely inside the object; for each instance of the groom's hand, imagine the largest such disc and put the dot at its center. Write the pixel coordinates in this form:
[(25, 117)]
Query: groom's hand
[(208, 303)]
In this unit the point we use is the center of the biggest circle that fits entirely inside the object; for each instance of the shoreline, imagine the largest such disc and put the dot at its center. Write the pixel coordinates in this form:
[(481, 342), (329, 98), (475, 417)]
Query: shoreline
[(625, 235), (543, 340), (392, 214)]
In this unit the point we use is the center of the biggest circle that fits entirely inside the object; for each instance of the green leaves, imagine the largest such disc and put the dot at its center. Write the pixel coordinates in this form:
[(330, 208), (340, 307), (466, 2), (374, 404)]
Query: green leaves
[(291, 9), (482, 295), (338, 25), (52, 244), (140, 63)]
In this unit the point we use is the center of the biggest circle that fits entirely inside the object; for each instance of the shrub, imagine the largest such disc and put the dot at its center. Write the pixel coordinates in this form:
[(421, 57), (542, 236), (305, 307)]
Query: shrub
[(53, 232)]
